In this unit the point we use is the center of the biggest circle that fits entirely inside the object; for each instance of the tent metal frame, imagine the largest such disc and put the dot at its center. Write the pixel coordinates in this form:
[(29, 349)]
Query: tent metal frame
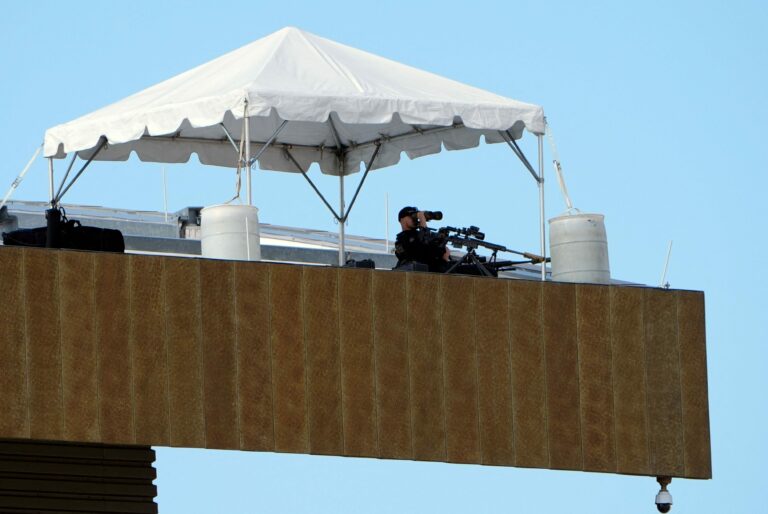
[(55, 199), (340, 149)]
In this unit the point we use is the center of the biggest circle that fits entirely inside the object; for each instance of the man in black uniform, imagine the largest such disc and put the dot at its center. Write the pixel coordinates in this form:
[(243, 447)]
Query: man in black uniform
[(416, 244)]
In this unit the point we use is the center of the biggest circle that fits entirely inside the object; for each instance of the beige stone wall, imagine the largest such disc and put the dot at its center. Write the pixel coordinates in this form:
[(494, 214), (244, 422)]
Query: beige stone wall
[(268, 357)]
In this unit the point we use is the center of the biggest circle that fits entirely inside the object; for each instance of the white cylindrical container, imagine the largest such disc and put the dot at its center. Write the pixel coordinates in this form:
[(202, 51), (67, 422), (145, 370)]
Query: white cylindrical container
[(230, 232), (579, 248)]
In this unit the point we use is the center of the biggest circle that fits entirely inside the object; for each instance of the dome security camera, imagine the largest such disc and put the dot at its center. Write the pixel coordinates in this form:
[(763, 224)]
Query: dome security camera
[(663, 498), (663, 501)]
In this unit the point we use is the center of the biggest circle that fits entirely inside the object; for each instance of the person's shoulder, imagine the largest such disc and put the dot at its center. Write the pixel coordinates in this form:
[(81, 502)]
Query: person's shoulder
[(408, 235)]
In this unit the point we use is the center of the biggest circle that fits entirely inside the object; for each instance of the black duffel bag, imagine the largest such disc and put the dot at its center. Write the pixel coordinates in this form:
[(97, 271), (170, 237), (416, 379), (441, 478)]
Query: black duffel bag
[(26, 237), (72, 235), (78, 237)]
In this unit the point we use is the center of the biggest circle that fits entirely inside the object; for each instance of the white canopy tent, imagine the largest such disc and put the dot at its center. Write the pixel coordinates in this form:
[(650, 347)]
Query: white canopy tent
[(298, 99)]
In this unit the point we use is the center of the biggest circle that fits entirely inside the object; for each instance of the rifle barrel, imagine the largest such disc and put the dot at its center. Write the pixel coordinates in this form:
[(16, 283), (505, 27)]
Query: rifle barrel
[(459, 237)]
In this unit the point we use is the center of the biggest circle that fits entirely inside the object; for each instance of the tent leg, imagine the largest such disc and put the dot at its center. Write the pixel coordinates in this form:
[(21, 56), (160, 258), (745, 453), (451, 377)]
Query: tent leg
[(50, 182), (345, 215), (342, 220), (344, 211), (52, 214), (247, 135), (542, 234), (540, 183), (250, 162), (362, 181)]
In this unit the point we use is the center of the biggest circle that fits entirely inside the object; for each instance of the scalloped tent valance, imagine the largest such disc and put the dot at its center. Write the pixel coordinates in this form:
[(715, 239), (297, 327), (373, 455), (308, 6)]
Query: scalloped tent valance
[(341, 104)]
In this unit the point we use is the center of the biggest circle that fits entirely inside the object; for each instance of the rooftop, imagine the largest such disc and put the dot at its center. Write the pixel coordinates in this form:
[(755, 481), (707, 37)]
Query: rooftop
[(178, 233)]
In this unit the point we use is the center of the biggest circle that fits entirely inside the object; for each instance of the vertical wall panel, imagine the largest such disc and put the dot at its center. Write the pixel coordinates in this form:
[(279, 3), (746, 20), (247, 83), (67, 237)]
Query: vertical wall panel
[(41, 279), (529, 385), (148, 349), (460, 357), (562, 361), (220, 372), (494, 372), (254, 356), (321, 334), (392, 365), (426, 361), (693, 369), (14, 421), (185, 357), (663, 382), (163, 351), (628, 352), (80, 360), (358, 381), (595, 377), (288, 359), (112, 326)]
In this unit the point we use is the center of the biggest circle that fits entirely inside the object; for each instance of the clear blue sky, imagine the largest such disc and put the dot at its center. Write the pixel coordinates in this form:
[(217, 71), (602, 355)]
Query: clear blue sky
[(659, 109)]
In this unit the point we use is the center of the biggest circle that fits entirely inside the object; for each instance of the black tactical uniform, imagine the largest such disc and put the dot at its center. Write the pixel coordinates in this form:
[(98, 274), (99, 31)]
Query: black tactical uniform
[(419, 245)]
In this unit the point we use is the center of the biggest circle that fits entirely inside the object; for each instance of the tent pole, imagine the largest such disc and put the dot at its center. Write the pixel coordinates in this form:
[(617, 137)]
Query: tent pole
[(520, 155), (541, 208), (50, 182), (250, 162), (345, 214), (290, 157), (231, 139), (507, 137), (269, 143), (66, 174), (247, 135), (342, 217), (362, 181), (61, 192)]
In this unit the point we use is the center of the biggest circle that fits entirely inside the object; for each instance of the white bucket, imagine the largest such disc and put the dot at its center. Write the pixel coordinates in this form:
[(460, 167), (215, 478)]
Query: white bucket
[(579, 249), (230, 232)]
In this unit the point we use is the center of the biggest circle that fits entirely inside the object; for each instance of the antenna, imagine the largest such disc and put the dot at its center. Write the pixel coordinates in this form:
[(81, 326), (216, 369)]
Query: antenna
[(664, 282)]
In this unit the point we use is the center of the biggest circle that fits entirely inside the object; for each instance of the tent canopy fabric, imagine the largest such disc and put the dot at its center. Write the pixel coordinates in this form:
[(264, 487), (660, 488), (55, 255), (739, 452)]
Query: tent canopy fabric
[(341, 104)]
